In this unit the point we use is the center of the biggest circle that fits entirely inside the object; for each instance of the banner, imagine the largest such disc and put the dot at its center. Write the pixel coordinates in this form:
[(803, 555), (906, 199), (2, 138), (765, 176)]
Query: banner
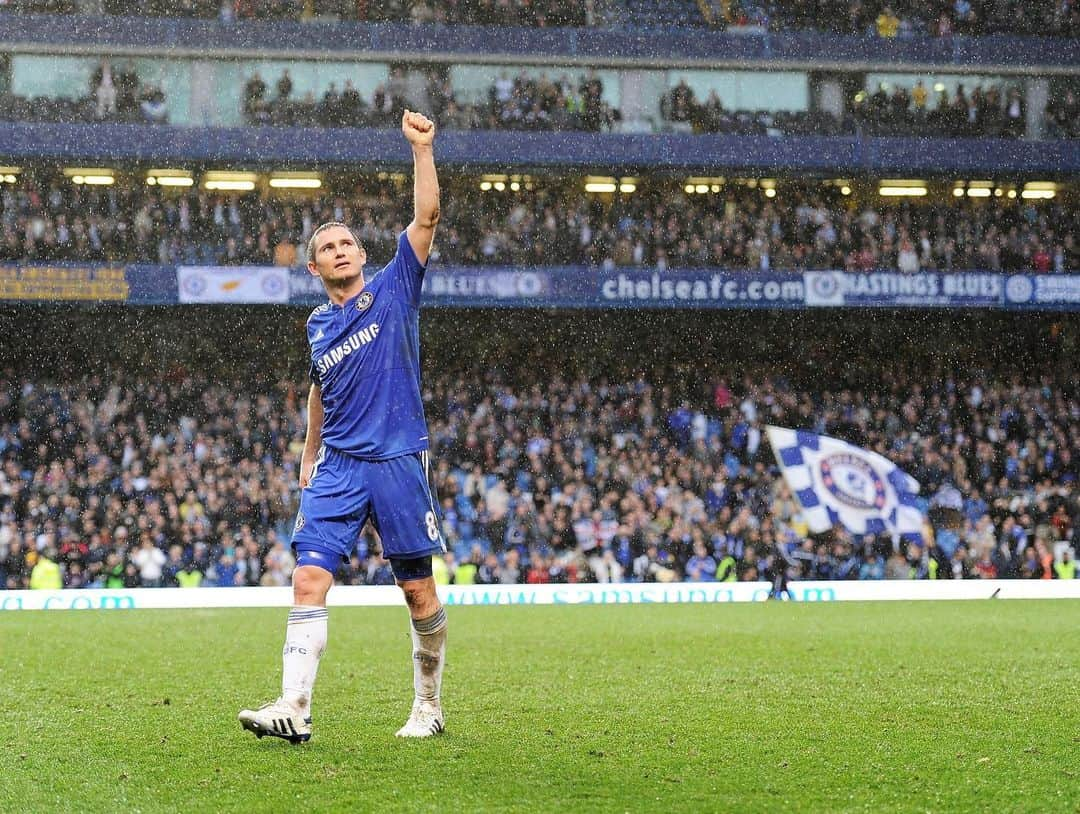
[(521, 285), (69, 283), (1042, 290), (840, 484), (696, 289), (554, 287), (926, 289), (572, 594), (232, 284)]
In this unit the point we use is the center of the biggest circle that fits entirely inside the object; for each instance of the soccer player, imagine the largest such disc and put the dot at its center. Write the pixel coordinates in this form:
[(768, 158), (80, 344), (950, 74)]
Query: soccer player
[(366, 453)]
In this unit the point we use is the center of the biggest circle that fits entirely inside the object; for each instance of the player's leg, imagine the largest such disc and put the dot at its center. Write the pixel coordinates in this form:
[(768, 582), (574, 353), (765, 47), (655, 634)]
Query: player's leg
[(403, 510), (289, 716), (333, 509), (428, 628), (306, 629)]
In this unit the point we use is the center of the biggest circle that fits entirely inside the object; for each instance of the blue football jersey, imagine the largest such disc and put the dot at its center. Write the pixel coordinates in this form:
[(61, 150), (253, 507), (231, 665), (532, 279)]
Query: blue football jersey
[(365, 357)]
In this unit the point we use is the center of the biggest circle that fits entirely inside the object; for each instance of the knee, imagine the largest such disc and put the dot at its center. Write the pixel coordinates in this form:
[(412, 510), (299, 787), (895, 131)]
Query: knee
[(421, 598), (310, 585)]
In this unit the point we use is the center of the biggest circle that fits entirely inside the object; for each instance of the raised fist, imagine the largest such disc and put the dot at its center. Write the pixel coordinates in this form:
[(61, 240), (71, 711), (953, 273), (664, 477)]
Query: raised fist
[(418, 128)]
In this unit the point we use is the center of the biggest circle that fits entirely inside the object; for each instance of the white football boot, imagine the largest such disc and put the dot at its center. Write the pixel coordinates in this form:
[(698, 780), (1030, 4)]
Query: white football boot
[(279, 719), (426, 720)]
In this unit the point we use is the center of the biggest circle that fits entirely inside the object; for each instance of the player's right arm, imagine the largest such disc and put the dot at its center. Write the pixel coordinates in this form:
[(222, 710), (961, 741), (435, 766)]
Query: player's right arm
[(314, 434), (419, 130)]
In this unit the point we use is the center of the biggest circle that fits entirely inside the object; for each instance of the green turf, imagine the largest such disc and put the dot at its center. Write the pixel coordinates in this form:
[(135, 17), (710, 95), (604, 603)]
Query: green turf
[(933, 706)]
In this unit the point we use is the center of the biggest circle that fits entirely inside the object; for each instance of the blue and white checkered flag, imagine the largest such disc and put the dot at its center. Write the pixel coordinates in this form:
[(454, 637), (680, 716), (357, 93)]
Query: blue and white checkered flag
[(839, 484)]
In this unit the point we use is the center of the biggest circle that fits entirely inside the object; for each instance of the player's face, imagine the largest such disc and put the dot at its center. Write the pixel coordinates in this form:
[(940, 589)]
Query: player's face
[(338, 257)]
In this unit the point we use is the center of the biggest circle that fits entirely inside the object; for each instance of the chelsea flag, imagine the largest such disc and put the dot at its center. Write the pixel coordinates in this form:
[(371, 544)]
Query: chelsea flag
[(839, 484)]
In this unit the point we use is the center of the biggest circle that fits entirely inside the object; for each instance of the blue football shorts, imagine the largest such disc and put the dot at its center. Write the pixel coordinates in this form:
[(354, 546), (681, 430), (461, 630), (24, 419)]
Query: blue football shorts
[(345, 492)]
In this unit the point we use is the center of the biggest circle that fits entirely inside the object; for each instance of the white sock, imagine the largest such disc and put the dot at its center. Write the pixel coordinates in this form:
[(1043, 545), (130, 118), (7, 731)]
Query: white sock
[(305, 640), (429, 653)]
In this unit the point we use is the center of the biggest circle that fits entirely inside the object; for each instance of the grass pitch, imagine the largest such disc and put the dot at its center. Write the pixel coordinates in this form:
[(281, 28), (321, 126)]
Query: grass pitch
[(933, 706)]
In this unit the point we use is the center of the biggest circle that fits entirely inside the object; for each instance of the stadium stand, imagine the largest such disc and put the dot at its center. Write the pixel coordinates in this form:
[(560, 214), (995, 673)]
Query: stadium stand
[(1063, 116), (115, 94), (469, 12), (543, 103), (664, 13), (900, 19), (527, 102), (567, 98), (168, 455), (805, 225), (905, 19), (533, 100), (617, 476)]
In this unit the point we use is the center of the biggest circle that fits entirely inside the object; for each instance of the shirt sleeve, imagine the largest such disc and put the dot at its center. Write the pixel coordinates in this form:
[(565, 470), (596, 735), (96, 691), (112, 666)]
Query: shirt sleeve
[(313, 371), (406, 272)]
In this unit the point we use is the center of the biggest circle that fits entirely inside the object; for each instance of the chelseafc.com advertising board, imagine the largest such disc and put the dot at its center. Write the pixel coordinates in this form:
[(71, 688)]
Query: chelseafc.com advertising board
[(553, 287)]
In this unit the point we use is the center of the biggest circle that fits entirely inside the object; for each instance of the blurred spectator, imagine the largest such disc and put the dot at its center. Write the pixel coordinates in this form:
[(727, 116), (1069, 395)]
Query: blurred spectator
[(153, 105), (104, 90), (284, 86), (45, 575), (1063, 115), (255, 108), (678, 104), (872, 566), (150, 561), (510, 572), (888, 24), (1066, 567), (701, 567)]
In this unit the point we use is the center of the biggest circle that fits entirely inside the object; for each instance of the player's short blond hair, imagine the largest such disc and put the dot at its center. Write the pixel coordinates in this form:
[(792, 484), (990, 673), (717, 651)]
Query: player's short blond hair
[(329, 225)]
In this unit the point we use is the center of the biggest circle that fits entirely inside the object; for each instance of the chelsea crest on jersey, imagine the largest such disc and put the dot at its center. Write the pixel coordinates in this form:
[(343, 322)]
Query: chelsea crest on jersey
[(365, 358)]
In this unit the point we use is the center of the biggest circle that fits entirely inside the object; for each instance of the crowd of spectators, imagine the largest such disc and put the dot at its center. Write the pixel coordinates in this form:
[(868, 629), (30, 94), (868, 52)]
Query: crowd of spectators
[(537, 101), (533, 13), (1063, 115), (906, 18), (130, 480), (524, 102), (743, 229), (893, 19), (681, 111), (534, 100), (993, 111), (804, 226), (115, 94), (41, 6)]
